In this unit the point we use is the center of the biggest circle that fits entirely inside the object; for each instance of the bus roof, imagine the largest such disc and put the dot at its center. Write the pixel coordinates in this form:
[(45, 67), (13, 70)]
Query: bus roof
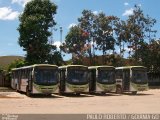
[(103, 66), (129, 67), (63, 67), (35, 65)]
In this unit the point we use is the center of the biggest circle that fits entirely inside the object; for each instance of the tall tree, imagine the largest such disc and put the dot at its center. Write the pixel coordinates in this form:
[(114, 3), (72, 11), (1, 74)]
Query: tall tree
[(104, 33), (139, 27), (149, 55), (87, 24), (35, 23), (75, 43), (123, 34)]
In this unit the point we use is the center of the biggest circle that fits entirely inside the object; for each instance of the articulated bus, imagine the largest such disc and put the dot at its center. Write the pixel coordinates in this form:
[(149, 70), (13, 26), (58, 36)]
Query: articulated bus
[(131, 79), (74, 79), (102, 79), (39, 78)]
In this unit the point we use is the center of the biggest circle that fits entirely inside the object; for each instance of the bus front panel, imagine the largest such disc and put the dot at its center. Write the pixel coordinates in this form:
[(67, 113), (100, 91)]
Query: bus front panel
[(139, 79), (77, 79), (46, 80), (106, 80)]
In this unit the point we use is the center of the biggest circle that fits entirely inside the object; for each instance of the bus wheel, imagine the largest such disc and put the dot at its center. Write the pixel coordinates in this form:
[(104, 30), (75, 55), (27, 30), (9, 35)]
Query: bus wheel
[(118, 90), (28, 93), (91, 92), (61, 92), (49, 95), (134, 92), (103, 93)]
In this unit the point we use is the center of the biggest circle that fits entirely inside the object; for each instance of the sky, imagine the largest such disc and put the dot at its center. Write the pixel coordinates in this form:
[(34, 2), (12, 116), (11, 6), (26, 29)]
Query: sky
[(67, 13)]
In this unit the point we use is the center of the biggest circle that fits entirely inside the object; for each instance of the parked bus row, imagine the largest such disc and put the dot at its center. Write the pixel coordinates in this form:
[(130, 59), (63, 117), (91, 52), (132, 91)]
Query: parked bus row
[(48, 79)]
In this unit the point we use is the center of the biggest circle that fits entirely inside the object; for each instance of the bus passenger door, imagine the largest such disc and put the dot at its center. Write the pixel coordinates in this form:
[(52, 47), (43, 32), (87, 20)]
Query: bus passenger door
[(126, 79), (62, 80), (92, 81)]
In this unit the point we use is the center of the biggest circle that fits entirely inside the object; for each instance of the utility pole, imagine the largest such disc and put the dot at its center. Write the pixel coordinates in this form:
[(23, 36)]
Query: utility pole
[(61, 37)]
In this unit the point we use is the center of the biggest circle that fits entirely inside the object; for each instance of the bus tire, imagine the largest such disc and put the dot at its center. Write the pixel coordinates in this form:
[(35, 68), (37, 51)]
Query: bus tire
[(91, 92), (28, 93), (118, 90), (134, 92), (61, 93), (49, 95), (103, 93)]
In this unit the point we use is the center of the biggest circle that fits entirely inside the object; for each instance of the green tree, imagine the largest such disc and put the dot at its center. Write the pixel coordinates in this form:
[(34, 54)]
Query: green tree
[(104, 34), (140, 29), (75, 43), (122, 33), (16, 64), (87, 24), (35, 24), (55, 58), (149, 55)]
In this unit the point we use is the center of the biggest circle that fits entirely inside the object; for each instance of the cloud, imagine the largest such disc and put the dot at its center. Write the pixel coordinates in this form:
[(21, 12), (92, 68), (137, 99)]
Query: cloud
[(6, 13), (21, 2), (57, 43), (128, 12), (56, 1), (72, 25), (126, 4), (95, 12), (24, 2)]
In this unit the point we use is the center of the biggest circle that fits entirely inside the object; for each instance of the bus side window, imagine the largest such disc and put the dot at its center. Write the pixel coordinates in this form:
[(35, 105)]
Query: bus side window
[(12, 75), (27, 71), (30, 74), (22, 74), (15, 74), (19, 75)]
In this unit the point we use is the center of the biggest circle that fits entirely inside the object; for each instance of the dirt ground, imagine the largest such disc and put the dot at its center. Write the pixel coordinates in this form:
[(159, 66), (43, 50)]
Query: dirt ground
[(19, 103)]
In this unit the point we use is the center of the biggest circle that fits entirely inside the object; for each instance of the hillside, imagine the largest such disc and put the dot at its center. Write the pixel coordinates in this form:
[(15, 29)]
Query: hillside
[(6, 60)]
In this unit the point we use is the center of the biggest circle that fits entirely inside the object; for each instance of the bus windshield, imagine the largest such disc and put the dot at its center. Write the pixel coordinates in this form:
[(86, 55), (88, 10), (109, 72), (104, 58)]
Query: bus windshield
[(139, 76), (76, 76), (106, 76), (46, 76)]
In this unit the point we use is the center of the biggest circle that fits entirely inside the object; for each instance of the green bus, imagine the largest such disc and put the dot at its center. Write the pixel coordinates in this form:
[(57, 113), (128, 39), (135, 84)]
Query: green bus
[(131, 79), (38, 78), (102, 79), (74, 79)]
